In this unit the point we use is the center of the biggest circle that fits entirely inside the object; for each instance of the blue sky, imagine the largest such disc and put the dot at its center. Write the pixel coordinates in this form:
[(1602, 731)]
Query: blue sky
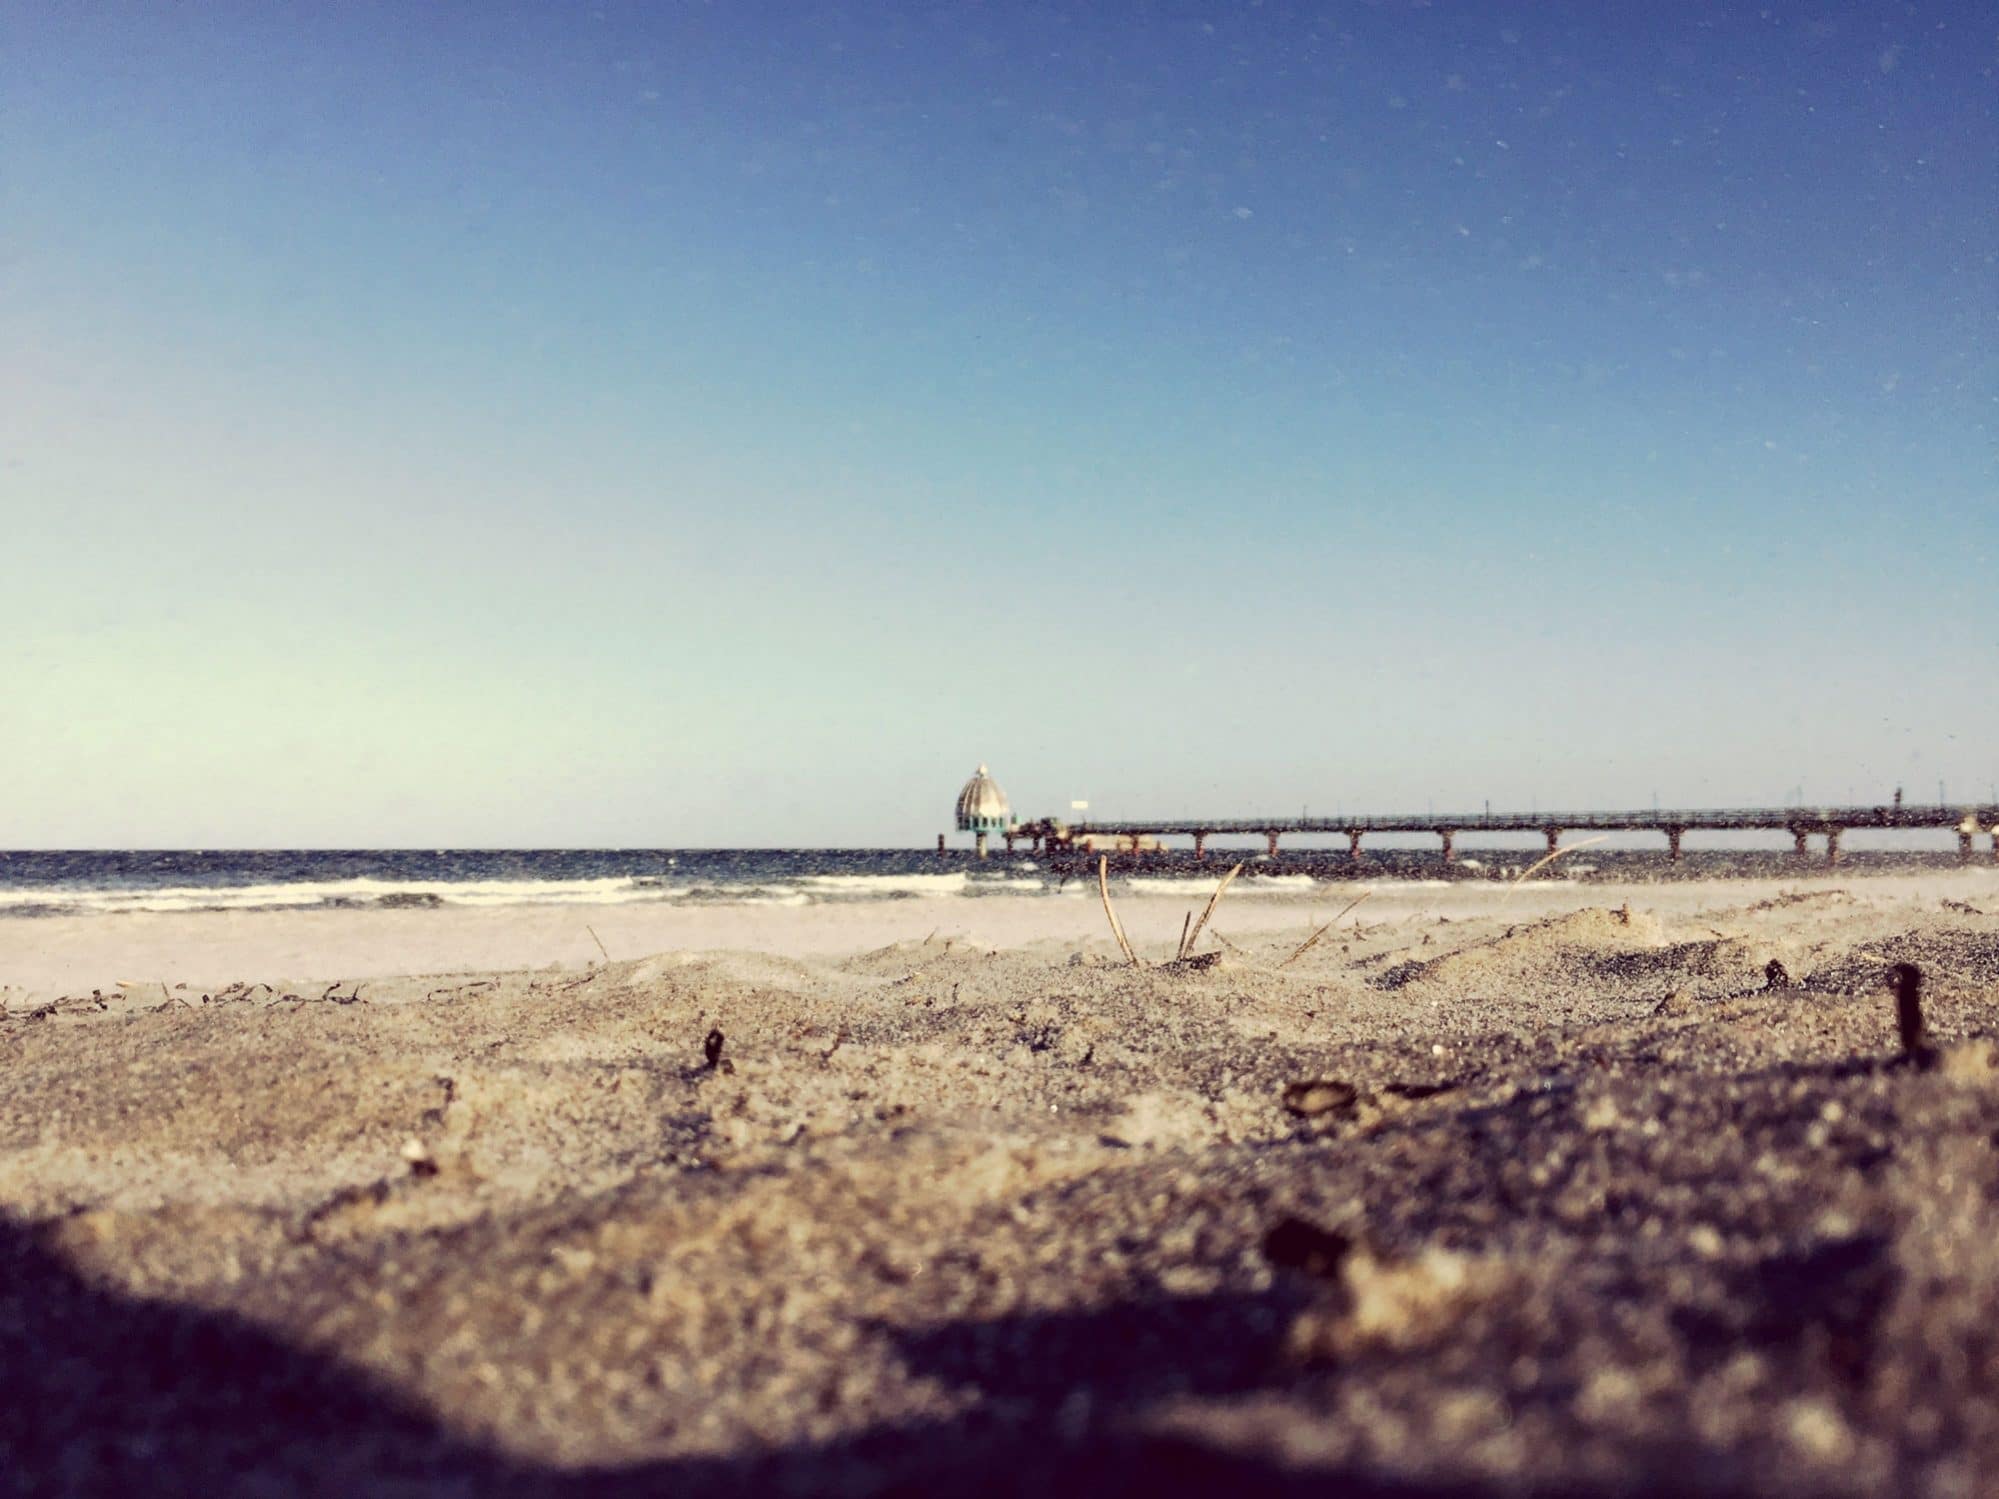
[(728, 424)]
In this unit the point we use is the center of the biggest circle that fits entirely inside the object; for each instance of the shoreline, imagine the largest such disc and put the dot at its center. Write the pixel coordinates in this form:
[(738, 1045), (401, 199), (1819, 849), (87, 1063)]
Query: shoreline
[(45, 957)]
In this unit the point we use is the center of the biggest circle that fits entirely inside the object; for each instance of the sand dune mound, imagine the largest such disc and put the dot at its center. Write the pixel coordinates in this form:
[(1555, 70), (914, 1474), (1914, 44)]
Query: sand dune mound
[(760, 970), (901, 958), (1804, 899), (1559, 944), (1965, 959), (1710, 968)]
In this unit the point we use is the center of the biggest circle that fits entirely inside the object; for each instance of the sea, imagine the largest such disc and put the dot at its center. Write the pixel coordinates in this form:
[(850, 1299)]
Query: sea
[(42, 883)]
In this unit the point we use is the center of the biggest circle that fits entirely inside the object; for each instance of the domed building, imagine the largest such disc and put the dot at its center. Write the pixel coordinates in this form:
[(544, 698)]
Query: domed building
[(982, 808)]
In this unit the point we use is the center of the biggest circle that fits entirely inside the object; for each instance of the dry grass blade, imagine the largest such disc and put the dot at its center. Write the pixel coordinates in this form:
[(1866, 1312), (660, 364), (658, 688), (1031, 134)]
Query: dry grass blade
[(1117, 927), (1311, 941), (1213, 901), (1181, 952), (1547, 859), (596, 939)]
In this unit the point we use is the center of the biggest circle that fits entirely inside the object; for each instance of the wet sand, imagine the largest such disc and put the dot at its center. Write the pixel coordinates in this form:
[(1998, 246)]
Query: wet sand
[(1572, 1191)]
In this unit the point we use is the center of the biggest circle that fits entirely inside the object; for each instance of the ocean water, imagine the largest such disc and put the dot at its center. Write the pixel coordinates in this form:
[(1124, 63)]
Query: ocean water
[(47, 883), (57, 883)]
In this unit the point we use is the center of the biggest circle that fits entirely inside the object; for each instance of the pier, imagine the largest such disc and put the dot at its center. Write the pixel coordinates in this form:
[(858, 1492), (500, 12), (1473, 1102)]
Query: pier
[(1826, 824)]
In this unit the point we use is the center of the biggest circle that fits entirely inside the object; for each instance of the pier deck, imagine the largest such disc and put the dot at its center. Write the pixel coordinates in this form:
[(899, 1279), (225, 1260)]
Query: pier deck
[(1802, 823)]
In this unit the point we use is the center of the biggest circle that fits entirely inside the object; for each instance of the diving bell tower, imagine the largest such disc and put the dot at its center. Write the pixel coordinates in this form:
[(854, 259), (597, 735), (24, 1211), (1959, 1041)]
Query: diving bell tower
[(982, 808)]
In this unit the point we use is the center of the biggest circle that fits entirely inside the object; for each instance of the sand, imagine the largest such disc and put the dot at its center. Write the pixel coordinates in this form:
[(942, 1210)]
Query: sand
[(1573, 1191)]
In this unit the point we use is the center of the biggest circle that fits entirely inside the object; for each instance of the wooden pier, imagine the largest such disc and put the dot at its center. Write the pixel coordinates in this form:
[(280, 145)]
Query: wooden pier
[(1827, 824)]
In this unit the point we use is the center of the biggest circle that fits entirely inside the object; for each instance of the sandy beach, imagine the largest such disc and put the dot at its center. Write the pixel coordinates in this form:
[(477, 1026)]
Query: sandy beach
[(1579, 1188)]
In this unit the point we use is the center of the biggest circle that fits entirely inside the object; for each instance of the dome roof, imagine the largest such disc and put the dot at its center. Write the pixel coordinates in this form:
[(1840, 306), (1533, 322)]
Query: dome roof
[(982, 805)]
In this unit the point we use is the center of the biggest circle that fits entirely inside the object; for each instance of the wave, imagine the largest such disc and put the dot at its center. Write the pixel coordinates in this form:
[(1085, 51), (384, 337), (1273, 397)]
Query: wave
[(392, 894), (848, 886), (886, 884), (772, 888), (1262, 884), (334, 894)]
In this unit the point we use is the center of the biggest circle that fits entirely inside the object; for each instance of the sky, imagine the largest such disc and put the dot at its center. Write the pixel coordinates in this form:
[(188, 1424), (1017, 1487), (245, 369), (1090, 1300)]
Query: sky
[(681, 425)]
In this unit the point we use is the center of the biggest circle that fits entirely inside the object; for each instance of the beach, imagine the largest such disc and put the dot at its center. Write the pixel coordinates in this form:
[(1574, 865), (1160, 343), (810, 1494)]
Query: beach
[(1578, 1186)]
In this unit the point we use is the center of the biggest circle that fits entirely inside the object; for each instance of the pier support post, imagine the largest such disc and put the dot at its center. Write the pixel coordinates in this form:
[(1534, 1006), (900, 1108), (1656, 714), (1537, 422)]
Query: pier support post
[(940, 843), (1995, 845), (1010, 836), (1201, 847), (1673, 836), (1133, 842), (1450, 845), (1832, 844), (1798, 841), (1554, 836), (1353, 845), (982, 845), (1964, 843), (1271, 838)]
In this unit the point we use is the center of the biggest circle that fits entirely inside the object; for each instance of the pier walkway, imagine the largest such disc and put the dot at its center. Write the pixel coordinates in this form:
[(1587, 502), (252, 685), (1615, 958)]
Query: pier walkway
[(1802, 823)]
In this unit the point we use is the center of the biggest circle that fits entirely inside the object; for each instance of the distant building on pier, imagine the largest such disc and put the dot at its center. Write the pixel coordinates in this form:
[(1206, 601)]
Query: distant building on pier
[(982, 808)]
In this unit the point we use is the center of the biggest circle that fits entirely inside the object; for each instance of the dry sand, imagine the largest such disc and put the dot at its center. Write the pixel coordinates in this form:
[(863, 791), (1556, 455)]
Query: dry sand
[(1573, 1193)]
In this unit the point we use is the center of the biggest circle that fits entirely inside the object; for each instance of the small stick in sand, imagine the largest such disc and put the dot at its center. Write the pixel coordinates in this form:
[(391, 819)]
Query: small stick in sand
[(1184, 925), (1906, 979), (1546, 859), (1187, 944), (1117, 927), (596, 939), (1307, 945)]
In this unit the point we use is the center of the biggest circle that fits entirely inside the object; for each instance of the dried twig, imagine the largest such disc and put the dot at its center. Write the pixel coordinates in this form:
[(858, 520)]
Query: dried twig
[(471, 984), (1549, 858), (596, 939), (1184, 925), (1311, 941), (1187, 944), (1117, 927)]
